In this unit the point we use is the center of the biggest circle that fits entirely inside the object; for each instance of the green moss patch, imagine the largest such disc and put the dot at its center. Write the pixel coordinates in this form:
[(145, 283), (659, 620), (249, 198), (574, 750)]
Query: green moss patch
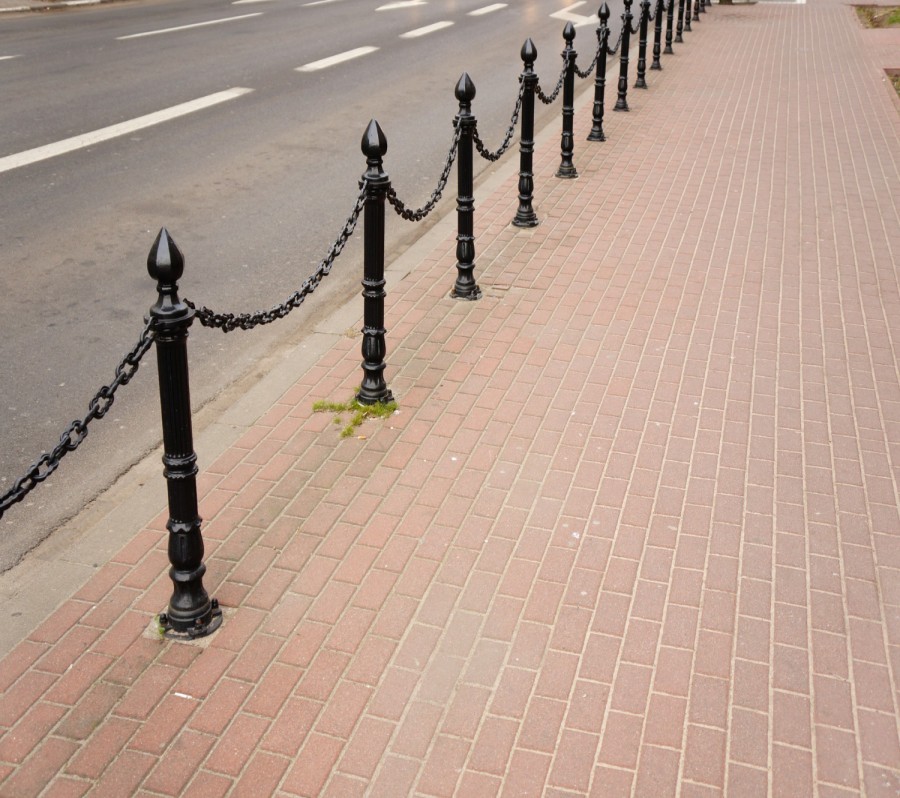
[(879, 16), (356, 411)]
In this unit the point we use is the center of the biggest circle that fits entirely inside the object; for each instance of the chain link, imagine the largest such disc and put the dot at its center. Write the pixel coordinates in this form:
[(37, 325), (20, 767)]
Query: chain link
[(483, 151), (420, 213), (77, 431), (226, 322), (590, 70), (614, 50), (551, 98)]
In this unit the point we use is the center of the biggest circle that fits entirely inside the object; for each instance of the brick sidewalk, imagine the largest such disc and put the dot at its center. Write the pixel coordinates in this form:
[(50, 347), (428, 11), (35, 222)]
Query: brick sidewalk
[(635, 527)]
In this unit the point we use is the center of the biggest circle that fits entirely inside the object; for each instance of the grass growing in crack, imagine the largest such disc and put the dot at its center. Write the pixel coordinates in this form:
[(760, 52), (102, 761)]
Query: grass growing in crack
[(879, 16), (358, 412)]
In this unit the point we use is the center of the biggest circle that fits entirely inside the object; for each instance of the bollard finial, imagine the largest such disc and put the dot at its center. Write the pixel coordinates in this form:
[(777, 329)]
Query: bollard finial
[(465, 89), (529, 53), (374, 143), (165, 263), (569, 33), (603, 13)]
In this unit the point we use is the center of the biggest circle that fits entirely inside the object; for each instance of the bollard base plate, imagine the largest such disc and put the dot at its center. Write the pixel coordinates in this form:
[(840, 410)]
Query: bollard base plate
[(525, 221), (471, 295), (195, 632)]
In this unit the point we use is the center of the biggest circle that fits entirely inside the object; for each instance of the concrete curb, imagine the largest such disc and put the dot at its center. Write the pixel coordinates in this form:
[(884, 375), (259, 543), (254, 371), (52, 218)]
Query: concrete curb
[(52, 6)]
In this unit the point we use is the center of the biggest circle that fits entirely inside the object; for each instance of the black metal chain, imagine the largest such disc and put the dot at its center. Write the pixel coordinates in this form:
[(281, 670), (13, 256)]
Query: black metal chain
[(549, 99), (483, 151), (77, 431), (590, 70), (614, 50), (417, 215), (226, 322)]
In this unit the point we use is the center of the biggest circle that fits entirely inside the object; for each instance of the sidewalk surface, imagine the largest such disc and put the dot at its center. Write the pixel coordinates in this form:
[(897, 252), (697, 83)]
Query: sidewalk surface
[(20, 6), (634, 530)]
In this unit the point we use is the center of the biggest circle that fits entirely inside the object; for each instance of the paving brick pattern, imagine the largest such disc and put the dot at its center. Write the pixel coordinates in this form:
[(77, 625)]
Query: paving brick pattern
[(634, 530)]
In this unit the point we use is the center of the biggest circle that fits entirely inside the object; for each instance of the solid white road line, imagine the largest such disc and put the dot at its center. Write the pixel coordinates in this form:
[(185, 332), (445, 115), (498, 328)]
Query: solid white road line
[(113, 131), (336, 59), (188, 27), (487, 9), (426, 30)]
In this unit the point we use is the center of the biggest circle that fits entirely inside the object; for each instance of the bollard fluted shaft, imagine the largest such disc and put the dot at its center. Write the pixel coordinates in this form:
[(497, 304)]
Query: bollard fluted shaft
[(680, 26), (657, 34), (622, 99), (696, 16), (687, 16), (567, 145), (525, 215), (670, 18), (641, 82), (465, 286), (373, 388), (597, 133), (191, 613)]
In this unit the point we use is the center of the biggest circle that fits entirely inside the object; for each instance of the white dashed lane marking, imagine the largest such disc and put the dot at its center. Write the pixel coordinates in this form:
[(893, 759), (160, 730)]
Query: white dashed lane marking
[(487, 9), (401, 4), (324, 63), (414, 34)]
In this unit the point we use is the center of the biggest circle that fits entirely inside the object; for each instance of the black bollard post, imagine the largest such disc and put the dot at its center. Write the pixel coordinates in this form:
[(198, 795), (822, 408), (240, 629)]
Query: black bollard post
[(525, 215), (373, 388), (696, 17), (465, 286), (670, 19), (641, 83), (703, 4), (622, 100), (657, 34), (191, 613), (596, 133), (687, 16), (680, 26), (567, 147)]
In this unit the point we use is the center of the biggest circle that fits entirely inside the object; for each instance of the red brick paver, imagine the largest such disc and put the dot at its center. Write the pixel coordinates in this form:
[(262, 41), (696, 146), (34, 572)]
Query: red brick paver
[(634, 530)]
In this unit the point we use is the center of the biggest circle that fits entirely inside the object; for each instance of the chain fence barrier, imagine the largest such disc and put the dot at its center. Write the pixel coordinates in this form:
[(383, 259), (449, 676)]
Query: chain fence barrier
[(77, 431), (191, 612)]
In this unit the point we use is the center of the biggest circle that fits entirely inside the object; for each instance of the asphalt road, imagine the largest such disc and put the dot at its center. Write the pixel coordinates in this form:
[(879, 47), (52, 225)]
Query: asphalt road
[(253, 188)]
